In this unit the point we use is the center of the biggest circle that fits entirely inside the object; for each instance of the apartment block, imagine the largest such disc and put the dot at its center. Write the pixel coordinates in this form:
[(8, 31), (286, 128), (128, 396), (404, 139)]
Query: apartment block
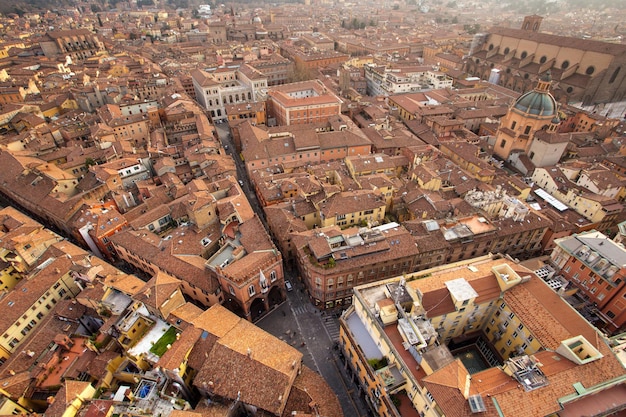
[(595, 266), (483, 336), (34, 297), (332, 261), (24, 241), (228, 86), (302, 103)]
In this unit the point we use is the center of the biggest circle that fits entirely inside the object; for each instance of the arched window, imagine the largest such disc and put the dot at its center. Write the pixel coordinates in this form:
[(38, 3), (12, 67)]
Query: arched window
[(590, 70), (513, 125), (506, 50), (272, 276), (251, 291), (565, 64), (524, 55), (527, 130), (543, 59)]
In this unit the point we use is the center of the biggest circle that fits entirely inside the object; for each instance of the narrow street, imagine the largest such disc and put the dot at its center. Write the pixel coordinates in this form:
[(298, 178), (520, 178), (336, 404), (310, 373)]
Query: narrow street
[(297, 321), (315, 334), (226, 138)]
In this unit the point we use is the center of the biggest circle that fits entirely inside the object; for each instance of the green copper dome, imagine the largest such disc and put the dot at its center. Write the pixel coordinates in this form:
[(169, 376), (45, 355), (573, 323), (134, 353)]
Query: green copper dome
[(537, 103)]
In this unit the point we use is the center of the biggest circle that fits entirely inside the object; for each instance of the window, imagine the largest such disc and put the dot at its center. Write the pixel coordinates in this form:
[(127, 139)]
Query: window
[(272, 276), (610, 314), (513, 124), (251, 291), (615, 74), (590, 70), (527, 130), (231, 289), (565, 64), (503, 143)]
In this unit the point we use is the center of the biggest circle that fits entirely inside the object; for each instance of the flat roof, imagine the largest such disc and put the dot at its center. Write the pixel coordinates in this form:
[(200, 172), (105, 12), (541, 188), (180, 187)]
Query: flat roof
[(550, 200)]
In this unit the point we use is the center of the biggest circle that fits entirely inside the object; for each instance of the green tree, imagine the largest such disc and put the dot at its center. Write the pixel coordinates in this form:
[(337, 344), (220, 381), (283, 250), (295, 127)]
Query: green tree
[(89, 162)]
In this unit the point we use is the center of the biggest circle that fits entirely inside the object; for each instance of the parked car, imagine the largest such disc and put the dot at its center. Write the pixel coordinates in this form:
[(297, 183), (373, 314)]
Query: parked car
[(288, 286)]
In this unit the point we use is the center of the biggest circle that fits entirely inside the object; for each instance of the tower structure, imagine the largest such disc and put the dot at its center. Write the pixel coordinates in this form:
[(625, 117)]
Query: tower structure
[(532, 112)]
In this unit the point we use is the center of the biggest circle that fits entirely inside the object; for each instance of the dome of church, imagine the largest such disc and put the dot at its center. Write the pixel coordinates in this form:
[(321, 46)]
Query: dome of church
[(537, 103)]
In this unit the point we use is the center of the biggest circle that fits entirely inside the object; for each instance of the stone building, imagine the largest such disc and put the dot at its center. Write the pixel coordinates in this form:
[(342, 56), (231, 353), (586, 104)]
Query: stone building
[(586, 70)]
